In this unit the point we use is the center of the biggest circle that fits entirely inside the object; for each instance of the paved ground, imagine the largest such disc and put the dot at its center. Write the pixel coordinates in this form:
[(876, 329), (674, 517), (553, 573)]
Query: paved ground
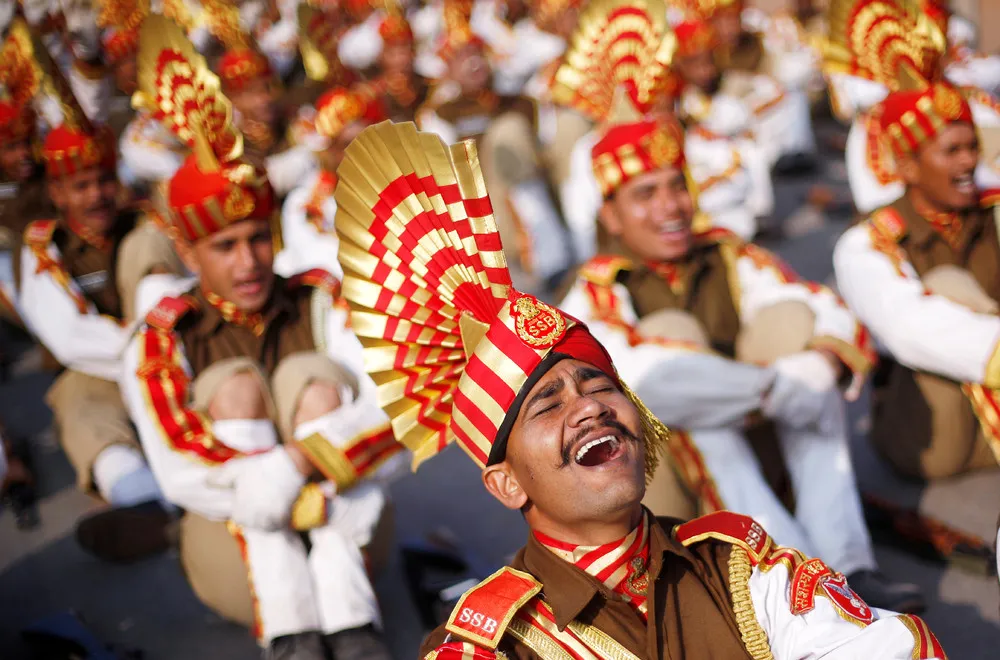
[(149, 606)]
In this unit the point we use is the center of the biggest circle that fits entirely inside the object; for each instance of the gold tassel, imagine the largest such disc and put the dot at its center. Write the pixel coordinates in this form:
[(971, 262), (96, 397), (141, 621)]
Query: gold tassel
[(655, 434), (754, 637)]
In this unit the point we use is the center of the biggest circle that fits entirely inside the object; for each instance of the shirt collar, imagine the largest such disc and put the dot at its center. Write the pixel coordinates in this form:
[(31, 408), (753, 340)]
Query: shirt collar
[(568, 589), (923, 230), (215, 314)]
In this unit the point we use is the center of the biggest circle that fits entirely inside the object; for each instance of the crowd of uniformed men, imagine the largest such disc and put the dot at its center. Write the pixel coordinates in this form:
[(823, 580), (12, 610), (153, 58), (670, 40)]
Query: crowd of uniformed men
[(262, 300)]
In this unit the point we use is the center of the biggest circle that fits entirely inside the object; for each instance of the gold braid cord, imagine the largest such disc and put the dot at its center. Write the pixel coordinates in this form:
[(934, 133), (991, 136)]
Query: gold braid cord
[(178, 89), (754, 637), (892, 42), (618, 43), (655, 435)]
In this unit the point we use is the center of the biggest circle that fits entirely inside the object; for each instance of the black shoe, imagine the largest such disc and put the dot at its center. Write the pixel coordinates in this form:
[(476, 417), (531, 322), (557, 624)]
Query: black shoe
[(300, 646), (878, 591), (127, 534), (364, 643)]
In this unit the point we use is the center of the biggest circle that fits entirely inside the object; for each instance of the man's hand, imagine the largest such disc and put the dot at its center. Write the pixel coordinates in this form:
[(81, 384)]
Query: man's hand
[(803, 389), (265, 487)]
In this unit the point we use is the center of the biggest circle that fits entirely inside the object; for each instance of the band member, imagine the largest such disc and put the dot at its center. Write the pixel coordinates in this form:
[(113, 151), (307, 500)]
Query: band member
[(249, 399), (534, 399), (685, 309), (921, 274)]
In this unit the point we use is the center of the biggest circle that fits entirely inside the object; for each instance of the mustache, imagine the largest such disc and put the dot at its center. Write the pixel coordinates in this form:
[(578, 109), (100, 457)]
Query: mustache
[(611, 424)]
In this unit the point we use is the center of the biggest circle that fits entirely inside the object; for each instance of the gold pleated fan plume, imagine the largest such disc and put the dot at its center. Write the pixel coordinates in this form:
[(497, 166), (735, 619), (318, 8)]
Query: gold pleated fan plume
[(122, 14), (618, 43), (892, 42), (180, 91), (20, 76), (424, 271)]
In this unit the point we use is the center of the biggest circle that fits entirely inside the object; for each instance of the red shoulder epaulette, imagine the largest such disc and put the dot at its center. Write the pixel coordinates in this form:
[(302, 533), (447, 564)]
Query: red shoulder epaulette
[(38, 234), (461, 651), (484, 612), (730, 527), (989, 198), (603, 269), (889, 223), (716, 235), (316, 278), (169, 311)]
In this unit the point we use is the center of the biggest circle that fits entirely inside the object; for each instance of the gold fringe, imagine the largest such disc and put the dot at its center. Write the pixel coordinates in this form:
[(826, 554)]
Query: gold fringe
[(754, 637), (655, 435)]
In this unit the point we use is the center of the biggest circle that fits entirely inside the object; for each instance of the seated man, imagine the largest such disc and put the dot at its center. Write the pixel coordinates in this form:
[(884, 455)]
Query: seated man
[(921, 273), (510, 131), (740, 338), (69, 267), (308, 238), (250, 401), (534, 399)]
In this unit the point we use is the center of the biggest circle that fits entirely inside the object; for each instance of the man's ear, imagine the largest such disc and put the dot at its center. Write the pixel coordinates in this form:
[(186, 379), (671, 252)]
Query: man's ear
[(185, 251), (608, 216), (909, 168), (500, 481)]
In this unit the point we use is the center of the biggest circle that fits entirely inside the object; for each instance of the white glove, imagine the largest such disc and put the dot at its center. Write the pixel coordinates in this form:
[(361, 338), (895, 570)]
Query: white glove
[(803, 390), (265, 487), (81, 25)]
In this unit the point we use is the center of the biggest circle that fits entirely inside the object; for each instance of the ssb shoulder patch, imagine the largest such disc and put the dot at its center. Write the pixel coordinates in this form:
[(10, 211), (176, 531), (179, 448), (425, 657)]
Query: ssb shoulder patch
[(316, 278), (39, 233), (730, 527), (602, 270), (483, 613), (169, 311)]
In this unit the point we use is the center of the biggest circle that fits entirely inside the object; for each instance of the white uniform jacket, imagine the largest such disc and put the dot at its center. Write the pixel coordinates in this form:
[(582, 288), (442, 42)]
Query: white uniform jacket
[(56, 310), (712, 383)]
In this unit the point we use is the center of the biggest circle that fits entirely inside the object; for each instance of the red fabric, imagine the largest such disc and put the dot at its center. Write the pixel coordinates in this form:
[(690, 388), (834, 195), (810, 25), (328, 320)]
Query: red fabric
[(69, 150), (16, 122), (215, 199), (654, 143), (579, 344), (694, 37), (932, 109), (395, 30), (241, 66), (120, 44), (340, 106)]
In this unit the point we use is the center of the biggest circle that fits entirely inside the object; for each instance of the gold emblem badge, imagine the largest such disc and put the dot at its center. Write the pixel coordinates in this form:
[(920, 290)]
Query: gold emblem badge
[(238, 205), (948, 102), (537, 324), (663, 148)]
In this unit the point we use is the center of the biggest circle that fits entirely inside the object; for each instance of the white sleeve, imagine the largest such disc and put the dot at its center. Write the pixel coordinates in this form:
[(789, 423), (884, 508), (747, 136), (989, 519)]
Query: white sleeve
[(181, 444), (361, 45), (307, 245), (823, 631), (430, 122), (866, 190), (922, 331), (765, 280), (287, 169), (69, 326), (93, 94), (581, 198)]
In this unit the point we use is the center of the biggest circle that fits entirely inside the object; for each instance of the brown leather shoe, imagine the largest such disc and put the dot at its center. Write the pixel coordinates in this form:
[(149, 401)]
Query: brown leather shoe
[(125, 534)]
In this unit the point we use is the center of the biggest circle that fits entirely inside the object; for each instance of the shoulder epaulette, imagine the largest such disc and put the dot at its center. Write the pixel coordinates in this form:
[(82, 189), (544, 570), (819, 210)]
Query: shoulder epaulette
[(169, 311), (889, 223), (316, 278), (483, 613), (602, 270), (716, 235), (730, 527), (39, 233), (989, 198)]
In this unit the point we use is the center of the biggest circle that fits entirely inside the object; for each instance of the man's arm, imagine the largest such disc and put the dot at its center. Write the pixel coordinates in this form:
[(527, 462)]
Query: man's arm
[(922, 331), (57, 313)]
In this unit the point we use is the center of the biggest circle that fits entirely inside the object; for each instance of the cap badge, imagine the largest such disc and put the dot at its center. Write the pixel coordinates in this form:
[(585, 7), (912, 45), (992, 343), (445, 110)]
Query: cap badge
[(538, 325)]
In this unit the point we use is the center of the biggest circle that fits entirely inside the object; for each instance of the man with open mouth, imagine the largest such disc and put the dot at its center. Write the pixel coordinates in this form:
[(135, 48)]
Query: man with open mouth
[(921, 273), (535, 401)]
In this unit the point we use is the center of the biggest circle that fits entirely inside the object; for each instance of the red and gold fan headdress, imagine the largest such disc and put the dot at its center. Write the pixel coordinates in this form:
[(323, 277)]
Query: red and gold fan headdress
[(121, 20), (708, 9), (74, 143), (214, 187), (892, 42), (318, 40), (452, 347), (457, 32), (242, 63), (20, 80)]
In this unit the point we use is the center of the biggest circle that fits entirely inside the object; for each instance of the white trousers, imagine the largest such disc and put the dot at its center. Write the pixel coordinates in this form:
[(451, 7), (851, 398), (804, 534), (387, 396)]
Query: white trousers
[(325, 588), (828, 521)]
